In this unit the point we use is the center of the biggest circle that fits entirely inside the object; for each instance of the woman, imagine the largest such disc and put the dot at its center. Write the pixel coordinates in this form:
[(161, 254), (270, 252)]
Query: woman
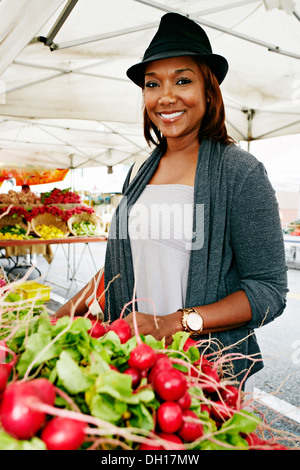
[(223, 275)]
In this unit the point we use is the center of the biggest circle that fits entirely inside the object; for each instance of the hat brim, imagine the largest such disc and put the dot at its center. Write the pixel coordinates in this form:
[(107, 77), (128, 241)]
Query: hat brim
[(217, 63)]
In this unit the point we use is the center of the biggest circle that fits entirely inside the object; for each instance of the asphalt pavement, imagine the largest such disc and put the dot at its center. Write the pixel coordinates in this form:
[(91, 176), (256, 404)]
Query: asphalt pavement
[(277, 385)]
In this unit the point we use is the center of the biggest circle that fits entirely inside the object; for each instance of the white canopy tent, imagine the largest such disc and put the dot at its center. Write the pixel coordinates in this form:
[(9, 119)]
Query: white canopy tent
[(66, 101)]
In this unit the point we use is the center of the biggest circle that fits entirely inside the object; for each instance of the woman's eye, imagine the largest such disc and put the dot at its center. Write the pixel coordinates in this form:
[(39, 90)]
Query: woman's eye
[(183, 81), (151, 84)]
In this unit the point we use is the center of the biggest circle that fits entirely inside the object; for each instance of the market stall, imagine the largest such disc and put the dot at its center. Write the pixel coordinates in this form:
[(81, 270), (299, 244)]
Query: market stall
[(79, 383), (292, 244), (29, 225)]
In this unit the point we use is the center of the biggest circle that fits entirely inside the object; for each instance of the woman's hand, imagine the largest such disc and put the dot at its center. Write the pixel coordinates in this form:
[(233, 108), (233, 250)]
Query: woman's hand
[(159, 327)]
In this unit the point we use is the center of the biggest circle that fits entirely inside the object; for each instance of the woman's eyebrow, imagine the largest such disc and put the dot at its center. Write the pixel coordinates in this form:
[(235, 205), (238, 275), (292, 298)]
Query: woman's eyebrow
[(175, 72), (184, 70)]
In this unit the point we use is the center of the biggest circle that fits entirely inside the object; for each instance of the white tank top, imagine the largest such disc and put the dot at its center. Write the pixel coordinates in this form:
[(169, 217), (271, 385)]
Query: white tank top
[(160, 231)]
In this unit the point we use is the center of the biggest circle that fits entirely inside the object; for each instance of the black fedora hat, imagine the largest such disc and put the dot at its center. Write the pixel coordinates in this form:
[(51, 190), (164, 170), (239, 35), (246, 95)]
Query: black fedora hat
[(178, 36)]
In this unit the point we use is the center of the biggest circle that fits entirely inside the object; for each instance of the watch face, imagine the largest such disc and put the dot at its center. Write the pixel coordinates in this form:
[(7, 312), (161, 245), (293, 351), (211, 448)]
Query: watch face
[(194, 321)]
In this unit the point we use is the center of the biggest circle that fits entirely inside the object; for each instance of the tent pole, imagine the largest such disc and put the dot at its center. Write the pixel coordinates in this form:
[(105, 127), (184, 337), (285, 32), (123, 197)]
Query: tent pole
[(250, 116), (71, 173), (59, 23), (223, 29), (102, 36), (296, 15)]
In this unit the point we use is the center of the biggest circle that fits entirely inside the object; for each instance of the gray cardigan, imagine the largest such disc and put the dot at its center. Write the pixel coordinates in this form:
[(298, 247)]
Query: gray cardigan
[(238, 245)]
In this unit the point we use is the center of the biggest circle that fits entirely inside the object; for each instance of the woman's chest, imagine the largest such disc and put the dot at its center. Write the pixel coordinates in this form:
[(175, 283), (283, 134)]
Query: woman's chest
[(175, 171)]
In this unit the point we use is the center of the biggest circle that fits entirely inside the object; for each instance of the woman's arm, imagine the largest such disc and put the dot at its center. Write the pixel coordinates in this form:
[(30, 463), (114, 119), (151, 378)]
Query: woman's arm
[(77, 303), (230, 312)]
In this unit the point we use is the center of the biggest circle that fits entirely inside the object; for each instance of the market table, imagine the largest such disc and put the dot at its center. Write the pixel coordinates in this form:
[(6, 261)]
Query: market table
[(72, 265)]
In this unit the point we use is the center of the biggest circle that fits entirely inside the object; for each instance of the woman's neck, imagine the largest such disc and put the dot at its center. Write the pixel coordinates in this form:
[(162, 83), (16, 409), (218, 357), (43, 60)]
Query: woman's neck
[(186, 145), (178, 164)]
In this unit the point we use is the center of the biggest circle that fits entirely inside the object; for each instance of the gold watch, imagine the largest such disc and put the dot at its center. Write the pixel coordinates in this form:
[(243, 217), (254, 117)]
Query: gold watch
[(191, 321)]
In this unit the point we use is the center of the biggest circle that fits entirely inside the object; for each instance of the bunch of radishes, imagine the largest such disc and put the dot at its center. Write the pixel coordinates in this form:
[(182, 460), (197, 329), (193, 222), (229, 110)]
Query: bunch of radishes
[(175, 421), (27, 407), (22, 416)]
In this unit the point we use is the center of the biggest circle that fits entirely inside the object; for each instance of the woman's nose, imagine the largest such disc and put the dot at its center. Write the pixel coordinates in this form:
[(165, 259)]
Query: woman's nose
[(167, 96)]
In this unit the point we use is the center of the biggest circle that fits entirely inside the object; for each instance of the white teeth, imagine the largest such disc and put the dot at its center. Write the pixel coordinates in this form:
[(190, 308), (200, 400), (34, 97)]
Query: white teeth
[(171, 116)]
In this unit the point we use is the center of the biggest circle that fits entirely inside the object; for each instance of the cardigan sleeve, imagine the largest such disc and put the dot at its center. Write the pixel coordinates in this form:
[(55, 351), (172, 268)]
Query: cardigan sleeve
[(257, 241)]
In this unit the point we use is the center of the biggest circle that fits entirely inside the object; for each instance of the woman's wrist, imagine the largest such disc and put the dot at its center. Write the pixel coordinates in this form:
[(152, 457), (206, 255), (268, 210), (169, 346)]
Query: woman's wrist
[(174, 324)]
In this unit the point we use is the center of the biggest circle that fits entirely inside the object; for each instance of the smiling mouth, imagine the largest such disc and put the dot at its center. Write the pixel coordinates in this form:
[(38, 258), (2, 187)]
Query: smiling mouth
[(171, 116)]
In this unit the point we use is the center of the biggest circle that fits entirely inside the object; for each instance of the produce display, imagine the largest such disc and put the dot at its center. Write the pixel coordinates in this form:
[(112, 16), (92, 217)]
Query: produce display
[(76, 383), (13, 232), (85, 228), (60, 196), (62, 204), (19, 197), (293, 228), (30, 212), (49, 231)]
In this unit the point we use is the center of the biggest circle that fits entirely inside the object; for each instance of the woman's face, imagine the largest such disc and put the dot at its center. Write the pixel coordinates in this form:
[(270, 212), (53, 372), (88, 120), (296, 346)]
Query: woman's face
[(174, 96)]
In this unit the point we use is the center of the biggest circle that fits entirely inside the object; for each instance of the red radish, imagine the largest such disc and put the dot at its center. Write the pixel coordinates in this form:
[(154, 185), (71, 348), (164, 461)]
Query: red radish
[(146, 446), (277, 447), (4, 353), (231, 395), (170, 384), (63, 434), (5, 367), (122, 329), (189, 343), (204, 407), (202, 361), (169, 416), (254, 440), (175, 441), (256, 443), (162, 363), (220, 411), (170, 437), (185, 401), (17, 416), (97, 330), (44, 389), (142, 357), (144, 373), (210, 379), (113, 367), (135, 375), (4, 374), (190, 430), (193, 372)]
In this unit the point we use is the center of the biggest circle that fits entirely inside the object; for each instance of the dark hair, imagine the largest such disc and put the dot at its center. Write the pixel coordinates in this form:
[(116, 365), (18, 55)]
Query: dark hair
[(213, 125)]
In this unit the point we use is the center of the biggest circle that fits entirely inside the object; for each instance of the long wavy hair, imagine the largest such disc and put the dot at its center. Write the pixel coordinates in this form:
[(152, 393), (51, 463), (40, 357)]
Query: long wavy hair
[(213, 125)]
